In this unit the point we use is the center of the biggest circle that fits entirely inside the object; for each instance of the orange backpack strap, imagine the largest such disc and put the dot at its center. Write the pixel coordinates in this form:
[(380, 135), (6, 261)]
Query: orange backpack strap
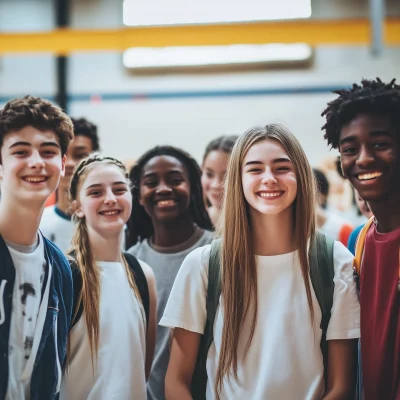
[(360, 246)]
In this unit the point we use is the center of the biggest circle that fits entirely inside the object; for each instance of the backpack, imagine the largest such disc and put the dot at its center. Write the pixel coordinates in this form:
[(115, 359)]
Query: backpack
[(140, 280), (321, 274), (360, 250)]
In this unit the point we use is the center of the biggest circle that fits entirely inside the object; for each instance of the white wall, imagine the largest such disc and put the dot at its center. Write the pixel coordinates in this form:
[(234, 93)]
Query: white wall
[(128, 128)]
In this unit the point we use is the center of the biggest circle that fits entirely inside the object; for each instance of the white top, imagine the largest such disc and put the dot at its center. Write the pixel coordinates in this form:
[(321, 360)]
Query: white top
[(27, 315), (284, 360), (333, 225), (57, 227), (119, 372)]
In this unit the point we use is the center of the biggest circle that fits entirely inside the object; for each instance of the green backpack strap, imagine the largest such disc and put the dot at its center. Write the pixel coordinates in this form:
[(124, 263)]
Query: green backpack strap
[(322, 273), (199, 379)]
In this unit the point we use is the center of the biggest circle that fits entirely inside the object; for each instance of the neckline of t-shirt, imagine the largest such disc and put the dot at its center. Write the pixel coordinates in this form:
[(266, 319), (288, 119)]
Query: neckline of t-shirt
[(384, 237), (24, 249), (187, 244), (62, 214), (189, 249), (108, 263), (278, 257)]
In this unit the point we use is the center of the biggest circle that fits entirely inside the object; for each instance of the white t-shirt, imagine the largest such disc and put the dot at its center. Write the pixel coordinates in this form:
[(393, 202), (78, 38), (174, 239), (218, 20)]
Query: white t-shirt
[(26, 326), (119, 372), (284, 360), (334, 225), (57, 227)]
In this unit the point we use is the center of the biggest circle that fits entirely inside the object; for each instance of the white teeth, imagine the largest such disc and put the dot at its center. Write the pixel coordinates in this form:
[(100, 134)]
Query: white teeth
[(364, 177), (109, 212), (270, 194), (35, 179), (165, 202)]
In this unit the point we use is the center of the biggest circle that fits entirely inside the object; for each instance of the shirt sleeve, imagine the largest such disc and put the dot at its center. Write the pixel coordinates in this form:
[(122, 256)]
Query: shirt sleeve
[(186, 306), (345, 314)]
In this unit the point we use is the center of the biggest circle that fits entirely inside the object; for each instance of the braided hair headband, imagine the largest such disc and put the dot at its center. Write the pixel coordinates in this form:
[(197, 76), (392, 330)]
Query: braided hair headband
[(88, 161)]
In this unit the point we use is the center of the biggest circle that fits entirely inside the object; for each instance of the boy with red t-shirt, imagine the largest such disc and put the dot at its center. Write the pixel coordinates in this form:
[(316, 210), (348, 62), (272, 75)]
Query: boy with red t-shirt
[(364, 124)]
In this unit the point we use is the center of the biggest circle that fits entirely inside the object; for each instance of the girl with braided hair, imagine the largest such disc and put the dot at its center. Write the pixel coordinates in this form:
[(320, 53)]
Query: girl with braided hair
[(168, 221), (111, 341)]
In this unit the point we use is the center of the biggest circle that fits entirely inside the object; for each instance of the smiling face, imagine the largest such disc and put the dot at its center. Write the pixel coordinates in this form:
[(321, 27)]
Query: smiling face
[(79, 148), (369, 151), (212, 177), (31, 165), (105, 200), (165, 188), (268, 178)]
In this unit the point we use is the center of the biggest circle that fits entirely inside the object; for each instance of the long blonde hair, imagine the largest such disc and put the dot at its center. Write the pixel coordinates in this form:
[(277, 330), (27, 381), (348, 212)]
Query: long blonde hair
[(85, 258), (238, 261)]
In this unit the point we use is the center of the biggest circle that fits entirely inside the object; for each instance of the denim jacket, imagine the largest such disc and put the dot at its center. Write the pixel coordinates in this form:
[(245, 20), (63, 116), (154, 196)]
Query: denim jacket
[(50, 358)]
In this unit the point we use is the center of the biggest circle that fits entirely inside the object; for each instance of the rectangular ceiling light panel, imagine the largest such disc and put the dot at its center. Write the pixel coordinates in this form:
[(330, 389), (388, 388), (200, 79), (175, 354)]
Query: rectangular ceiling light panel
[(175, 12)]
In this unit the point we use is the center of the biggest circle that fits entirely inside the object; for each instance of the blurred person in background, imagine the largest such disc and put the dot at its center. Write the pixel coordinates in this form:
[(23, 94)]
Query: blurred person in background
[(327, 222), (215, 164), (366, 213), (340, 199), (56, 223)]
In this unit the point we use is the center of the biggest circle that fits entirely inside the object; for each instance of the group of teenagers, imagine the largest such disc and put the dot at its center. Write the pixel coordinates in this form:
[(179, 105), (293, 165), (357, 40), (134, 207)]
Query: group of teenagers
[(178, 281)]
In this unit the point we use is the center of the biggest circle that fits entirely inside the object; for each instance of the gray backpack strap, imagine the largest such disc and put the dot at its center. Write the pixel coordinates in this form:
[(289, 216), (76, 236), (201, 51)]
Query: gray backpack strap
[(199, 378), (322, 273)]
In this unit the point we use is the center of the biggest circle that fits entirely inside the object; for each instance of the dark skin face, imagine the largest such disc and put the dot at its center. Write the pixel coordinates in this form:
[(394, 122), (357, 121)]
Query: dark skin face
[(165, 189), (370, 159)]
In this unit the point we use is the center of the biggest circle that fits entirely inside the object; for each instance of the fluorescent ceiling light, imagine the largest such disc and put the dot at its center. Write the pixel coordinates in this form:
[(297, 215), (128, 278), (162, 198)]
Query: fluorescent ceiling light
[(175, 12), (214, 55)]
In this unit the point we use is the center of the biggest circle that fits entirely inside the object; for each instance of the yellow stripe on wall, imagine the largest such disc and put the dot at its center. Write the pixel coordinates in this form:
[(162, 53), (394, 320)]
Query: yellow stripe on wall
[(313, 32)]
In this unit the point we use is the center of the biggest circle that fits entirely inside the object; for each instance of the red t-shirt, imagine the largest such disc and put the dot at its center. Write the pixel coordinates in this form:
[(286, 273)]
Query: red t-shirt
[(380, 320)]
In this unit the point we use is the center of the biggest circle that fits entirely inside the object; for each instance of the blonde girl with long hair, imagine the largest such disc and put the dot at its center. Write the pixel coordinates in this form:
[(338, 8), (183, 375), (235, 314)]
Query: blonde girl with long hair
[(267, 330), (111, 342)]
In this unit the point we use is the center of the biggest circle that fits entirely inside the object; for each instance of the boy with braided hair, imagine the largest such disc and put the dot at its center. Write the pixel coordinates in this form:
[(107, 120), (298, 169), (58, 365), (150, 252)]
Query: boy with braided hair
[(35, 279), (364, 124)]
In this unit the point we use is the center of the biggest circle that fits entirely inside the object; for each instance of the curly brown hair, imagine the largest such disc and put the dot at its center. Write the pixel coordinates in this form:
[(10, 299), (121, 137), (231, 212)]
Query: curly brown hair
[(39, 113)]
